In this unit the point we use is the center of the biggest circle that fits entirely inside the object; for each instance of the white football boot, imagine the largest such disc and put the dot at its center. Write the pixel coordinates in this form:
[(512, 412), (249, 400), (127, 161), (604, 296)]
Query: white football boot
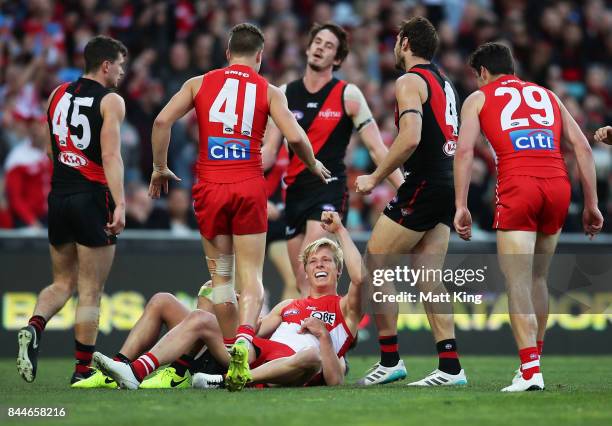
[(120, 371), (380, 375), (440, 378)]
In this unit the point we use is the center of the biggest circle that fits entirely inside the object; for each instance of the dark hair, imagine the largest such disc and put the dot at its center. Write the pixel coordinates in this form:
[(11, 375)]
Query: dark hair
[(495, 57), (339, 32), (245, 39), (102, 48), (422, 37)]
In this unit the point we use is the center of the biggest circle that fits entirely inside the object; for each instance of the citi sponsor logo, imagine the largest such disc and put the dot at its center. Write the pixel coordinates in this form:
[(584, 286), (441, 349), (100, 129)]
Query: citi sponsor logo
[(237, 73), (72, 159), (532, 139), (328, 113), (326, 317), (228, 149)]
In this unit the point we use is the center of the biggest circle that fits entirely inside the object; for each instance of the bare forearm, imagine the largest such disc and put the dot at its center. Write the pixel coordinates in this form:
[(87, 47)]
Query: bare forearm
[(370, 135), (331, 365), (401, 150), (160, 140), (352, 256), (462, 171), (304, 152), (113, 170), (588, 179)]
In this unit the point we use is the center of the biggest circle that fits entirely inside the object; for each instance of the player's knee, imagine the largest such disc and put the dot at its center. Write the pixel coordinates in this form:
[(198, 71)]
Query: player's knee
[(200, 320), (160, 301)]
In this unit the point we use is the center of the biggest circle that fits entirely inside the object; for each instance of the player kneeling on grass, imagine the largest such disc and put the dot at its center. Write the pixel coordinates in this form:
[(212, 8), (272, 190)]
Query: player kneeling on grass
[(299, 342)]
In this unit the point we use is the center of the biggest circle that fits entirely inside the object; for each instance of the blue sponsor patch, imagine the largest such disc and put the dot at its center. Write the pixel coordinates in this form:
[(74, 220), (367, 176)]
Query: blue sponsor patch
[(532, 139), (228, 149)]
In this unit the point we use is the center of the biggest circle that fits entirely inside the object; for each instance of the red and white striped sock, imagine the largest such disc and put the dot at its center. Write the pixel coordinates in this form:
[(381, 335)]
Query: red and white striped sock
[(228, 343), (144, 365), (530, 362), (245, 332)]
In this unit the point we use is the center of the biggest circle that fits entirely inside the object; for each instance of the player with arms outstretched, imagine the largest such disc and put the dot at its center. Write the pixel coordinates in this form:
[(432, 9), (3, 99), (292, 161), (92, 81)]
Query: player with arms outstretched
[(418, 219), (232, 105), (524, 123), (86, 205), (328, 109)]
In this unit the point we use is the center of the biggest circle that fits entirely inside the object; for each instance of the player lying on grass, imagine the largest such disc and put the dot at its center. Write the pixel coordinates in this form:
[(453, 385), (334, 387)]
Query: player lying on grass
[(299, 342), (164, 309)]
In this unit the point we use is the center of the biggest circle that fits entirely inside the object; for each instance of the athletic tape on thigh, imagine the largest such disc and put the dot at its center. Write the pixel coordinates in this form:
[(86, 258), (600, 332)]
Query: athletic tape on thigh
[(222, 266), (224, 293), (225, 265)]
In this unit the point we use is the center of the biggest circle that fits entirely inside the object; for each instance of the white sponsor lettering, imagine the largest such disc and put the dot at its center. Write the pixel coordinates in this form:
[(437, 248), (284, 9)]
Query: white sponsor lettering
[(328, 113), (72, 159)]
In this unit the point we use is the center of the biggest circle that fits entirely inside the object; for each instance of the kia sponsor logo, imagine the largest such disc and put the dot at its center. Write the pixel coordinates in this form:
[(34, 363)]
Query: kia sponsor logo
[(72, 159), (449, 148), (298, 114)]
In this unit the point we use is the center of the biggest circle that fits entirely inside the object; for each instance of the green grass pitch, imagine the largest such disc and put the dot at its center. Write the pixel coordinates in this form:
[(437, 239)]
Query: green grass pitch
[(578, 392)]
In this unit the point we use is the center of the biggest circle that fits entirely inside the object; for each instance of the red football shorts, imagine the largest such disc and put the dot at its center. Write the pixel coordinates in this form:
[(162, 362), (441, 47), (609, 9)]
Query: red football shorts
[(231, 208), (269, 350), (526, 203)]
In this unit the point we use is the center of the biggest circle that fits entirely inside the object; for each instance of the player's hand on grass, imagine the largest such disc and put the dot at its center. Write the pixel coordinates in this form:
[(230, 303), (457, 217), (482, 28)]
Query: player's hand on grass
[(365, 184), (160, 178), (318, 169), (118, 224), (331, 222), (463, 223), (604, 135), (314, 326), (592, 222)]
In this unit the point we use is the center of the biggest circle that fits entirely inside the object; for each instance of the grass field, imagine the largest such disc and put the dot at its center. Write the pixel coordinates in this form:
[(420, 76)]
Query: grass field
[(578, 392)]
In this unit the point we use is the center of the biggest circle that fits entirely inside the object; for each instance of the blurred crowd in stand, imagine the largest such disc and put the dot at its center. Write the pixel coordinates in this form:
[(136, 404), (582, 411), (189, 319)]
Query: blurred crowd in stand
[(563, 45)]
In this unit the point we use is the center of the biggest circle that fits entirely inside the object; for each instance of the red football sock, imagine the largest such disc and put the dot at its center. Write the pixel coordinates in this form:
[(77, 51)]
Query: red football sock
[(229, 342), (246, 332), (38, 322), (144, 365), (82, 355), (540, 344), (530, 362)]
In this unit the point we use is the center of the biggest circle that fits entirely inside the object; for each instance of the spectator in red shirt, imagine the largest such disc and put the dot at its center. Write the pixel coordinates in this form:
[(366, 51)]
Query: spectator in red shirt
[(28, 176)]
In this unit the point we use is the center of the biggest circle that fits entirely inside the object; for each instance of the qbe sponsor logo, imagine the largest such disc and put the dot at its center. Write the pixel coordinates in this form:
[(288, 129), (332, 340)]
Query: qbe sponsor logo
[(532, 139), (72, 159), (326, 317), (228, 149)]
